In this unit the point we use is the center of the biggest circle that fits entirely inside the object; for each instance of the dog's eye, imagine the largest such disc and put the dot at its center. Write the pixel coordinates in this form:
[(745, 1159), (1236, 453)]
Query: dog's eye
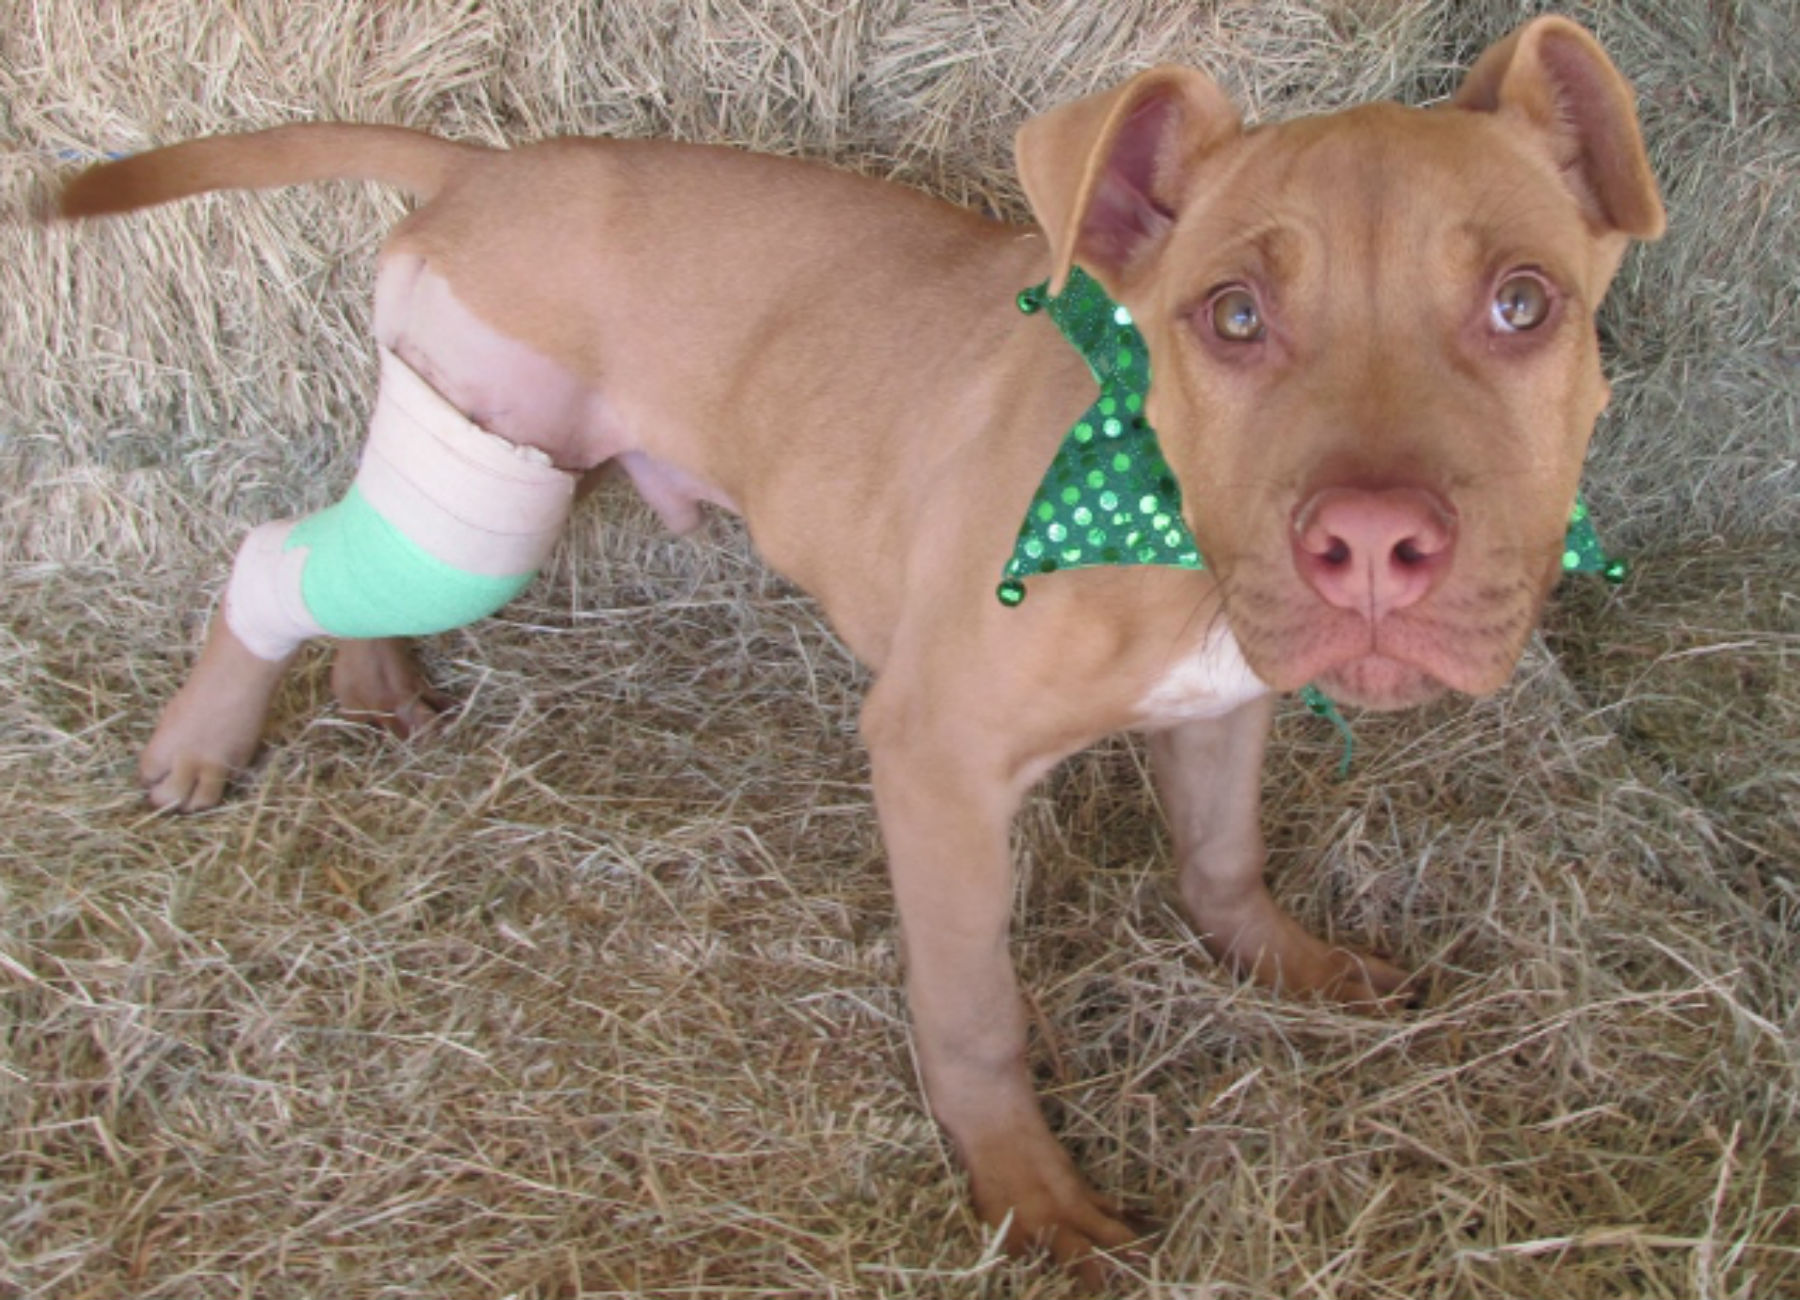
[(1235, 317), (1521, 303)]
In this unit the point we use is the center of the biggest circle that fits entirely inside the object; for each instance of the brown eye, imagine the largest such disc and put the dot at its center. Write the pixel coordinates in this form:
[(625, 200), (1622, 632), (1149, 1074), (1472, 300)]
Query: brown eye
[(1521, 303), (1235, 317)]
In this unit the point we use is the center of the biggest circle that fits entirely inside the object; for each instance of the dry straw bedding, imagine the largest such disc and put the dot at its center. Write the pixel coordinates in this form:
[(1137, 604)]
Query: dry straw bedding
[(597, 991)]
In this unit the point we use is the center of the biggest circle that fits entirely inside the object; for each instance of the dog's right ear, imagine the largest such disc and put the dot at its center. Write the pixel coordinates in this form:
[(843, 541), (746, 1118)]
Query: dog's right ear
[(1106, 174)]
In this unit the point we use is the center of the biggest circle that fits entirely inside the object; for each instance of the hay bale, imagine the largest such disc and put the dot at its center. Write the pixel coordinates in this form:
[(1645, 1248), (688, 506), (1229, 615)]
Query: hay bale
[(598, 992)]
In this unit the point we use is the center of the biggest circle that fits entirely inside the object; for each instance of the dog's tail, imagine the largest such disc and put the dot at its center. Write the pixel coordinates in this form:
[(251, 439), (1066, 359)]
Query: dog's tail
[(286, 155)]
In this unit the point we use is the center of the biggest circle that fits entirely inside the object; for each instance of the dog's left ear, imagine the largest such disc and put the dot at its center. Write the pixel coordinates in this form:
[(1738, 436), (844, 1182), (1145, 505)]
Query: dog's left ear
[(1553, 75), (1106, 174)]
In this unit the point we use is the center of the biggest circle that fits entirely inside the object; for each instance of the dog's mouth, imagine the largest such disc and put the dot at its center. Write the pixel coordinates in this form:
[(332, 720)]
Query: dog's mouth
[(1465, 636), (1376, 681), (1404, 660)]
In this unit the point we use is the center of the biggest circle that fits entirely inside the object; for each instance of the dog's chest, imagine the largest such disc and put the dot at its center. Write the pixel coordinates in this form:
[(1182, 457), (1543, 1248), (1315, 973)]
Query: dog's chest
[(1209, 683)]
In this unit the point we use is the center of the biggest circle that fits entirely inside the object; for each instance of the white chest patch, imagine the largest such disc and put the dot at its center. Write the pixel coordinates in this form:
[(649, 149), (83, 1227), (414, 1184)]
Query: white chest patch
[(1209, 683)]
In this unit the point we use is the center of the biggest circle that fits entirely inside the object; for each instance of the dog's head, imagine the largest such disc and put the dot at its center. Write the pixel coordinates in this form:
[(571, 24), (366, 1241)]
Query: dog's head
[(1372, 343)]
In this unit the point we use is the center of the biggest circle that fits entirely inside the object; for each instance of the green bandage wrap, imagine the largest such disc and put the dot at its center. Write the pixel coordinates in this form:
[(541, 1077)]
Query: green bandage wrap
[(365, 578)]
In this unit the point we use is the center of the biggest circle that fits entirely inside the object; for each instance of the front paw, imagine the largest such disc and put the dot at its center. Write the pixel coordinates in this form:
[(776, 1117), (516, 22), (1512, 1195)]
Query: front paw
[(1032, 1190), (1256, 939)]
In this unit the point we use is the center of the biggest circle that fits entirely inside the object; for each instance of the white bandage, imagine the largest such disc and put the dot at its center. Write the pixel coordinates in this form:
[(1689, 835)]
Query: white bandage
[(444, 523), (263, 606)]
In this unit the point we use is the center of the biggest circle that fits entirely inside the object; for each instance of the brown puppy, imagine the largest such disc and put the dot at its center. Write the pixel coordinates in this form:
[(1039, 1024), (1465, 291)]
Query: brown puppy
[(1376, 377)]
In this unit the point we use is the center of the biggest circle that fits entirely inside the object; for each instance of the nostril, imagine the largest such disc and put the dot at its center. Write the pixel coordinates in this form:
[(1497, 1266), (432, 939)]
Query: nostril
[(1407, 552), (1336, 553)]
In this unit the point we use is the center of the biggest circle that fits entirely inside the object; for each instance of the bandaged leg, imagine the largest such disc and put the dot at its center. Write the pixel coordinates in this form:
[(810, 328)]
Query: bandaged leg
[(443, 525)]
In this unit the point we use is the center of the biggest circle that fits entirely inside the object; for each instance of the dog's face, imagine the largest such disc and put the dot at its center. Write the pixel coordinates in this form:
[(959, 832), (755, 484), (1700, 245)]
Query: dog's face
[(1383, 299), (1372, 344)]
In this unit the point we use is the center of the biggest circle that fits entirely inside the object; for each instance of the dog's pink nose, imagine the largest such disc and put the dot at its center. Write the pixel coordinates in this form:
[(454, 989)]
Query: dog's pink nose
[(1374, 552)]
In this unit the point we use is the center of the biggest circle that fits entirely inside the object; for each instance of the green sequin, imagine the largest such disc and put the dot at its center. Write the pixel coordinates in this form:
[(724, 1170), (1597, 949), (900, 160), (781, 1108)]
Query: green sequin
[(1582, 552), (1081, 491)]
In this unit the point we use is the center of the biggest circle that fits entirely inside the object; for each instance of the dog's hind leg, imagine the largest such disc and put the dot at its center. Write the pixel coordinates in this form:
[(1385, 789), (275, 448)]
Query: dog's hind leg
[(210, 728), (443, 525), (379, 681)]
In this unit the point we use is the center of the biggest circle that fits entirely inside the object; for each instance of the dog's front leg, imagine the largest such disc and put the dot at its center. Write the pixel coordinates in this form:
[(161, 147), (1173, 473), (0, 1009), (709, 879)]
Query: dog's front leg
[(946, 803), (1209, 776)]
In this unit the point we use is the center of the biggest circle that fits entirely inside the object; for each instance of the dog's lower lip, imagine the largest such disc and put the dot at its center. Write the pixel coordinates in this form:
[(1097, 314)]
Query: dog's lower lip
[(1401, 662), (1350, 668), (1378, 681)]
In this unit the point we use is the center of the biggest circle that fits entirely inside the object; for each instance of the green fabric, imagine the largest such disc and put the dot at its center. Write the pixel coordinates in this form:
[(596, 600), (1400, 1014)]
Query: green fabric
[(365, 578), (1109, 497), (1582, 552)]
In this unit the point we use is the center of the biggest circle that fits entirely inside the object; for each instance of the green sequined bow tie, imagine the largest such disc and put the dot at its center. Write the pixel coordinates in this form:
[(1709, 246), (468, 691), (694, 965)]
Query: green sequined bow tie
[(1109, 497)]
